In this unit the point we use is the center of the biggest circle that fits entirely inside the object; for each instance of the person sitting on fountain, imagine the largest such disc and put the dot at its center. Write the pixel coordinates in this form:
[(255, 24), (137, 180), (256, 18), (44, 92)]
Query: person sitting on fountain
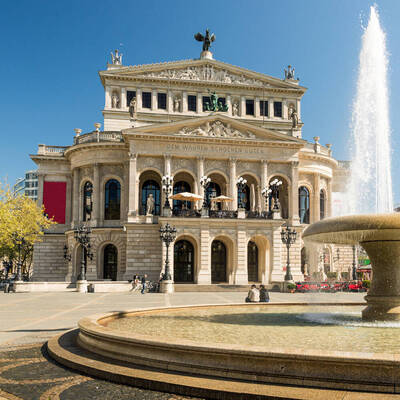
[(264, 295), (254, 295)]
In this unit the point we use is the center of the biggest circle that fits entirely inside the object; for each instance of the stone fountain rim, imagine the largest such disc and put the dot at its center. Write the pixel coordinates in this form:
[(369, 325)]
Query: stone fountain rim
[(94, 326)]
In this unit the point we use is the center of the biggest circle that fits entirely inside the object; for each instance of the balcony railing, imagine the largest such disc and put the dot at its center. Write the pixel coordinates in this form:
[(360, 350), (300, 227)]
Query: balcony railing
[(223, 214), (51, 150), (186, 213), (96, 137)]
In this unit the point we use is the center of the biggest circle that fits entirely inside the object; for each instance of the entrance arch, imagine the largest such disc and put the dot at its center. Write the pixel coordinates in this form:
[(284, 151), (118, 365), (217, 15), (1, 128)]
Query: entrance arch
[(110, 267), (252, 262), (218, 262), (184, 262)]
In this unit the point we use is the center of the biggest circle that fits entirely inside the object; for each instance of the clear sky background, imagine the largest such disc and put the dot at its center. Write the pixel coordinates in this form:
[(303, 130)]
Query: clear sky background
[(52, 50)]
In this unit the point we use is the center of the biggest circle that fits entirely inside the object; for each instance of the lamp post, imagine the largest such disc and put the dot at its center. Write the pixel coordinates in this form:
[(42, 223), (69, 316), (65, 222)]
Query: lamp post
[(267, 194), (19, 241), (274, 187), (205, 183), (354, 269), (241, 184), (167, 182), (288, 237), (82, 236), (167, 235)]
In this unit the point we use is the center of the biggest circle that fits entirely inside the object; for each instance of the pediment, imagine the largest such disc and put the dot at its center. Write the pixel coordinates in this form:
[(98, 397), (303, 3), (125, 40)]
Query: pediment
[(203, 71), (215, 126)]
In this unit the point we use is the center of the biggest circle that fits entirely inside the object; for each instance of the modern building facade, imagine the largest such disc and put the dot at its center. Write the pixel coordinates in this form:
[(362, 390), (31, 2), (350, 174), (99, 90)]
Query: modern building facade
[(28, 185), (186, 120)]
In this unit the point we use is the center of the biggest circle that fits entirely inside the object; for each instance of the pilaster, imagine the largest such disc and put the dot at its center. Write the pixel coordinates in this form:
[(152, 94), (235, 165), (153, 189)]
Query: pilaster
[(184, 102), (107, 97), (270, 107), (277, 274), (96, 195), (199, 103), (242, 106), (329, 199), (264, 182), (138, 99), (40, 188), (133, 198), (316, 205), (204, 269), (241, 276), (75, 196), (123, 99), (154, 101), (232, 183), (285, 109), (200, 173), (257, 107), (170, 102), (68, 208), (229, 104), (294, 197)]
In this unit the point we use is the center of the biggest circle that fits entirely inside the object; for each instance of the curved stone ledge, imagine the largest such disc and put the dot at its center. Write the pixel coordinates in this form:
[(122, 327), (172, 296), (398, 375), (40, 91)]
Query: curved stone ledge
[(338, 370)]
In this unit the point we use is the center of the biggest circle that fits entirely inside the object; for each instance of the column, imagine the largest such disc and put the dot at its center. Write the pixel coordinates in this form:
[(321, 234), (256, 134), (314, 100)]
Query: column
[(154, 100), (133, 200), (123, 99), (138, 99), (75, 198), (96, 194), (40, 188), (204, 274), (316, 204), (167, 164), (284, 110), (184, 102), (242, 106), (298, 109), (229, 104), (232, 183), (170, 102), (294, 195), (200, 173), (108, 97), (240, 275), (264, 182), (270, 108), (257, 107), (68, 208), (199, 103)]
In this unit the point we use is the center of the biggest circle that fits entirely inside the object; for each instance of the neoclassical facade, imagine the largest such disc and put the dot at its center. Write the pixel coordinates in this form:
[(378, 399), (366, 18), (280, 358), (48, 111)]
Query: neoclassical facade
[(189, 119)]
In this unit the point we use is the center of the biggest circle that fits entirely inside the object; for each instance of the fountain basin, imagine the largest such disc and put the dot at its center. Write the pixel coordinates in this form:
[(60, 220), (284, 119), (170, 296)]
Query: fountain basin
[(379, 235), (166, 347)]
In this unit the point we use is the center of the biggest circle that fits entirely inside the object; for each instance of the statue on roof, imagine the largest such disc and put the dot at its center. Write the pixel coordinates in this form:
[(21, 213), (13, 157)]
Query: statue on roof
[(289, 73), (207, 39), (117, 58)]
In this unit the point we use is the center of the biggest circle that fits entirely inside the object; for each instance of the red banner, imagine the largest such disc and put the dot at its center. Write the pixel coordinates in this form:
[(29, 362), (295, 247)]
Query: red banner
[(54, 200)]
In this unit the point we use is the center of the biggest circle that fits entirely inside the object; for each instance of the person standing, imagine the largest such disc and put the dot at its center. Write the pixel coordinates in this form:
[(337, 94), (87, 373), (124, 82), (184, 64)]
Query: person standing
[(143, 283)]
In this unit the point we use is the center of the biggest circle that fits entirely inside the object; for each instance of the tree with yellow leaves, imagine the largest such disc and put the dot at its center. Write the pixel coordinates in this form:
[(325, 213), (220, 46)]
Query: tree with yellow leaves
[(22, 224)]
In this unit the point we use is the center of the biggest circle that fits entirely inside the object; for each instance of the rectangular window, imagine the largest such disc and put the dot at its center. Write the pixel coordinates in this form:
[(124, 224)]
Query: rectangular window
[(206, 100), (264, 108), (162, 101), (249, 107), (277, 109), (222, 100), (129, 96), (192, 103), (146, 100)]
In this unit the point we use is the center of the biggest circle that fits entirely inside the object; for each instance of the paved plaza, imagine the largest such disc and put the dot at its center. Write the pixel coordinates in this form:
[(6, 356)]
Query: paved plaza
[(28, 320)]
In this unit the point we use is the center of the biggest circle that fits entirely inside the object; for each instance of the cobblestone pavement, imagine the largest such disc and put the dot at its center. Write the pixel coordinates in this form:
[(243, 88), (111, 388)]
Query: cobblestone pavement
[(26, 372)]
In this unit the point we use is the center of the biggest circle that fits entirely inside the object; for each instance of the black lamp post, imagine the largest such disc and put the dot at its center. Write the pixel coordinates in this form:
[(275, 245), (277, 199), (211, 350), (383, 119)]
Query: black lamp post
[(205, 183), (354, 269), (167, 181), (241, 185), (19, 241), (81, 235), (167, 235), (288, 237), (274, 187), (7, 266)]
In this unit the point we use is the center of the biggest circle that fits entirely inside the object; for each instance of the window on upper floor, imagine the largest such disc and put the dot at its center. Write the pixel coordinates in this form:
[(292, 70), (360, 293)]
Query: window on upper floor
[(146, 100), (162, 101), (304, 205), (277, 109), (222, 100), (112, 202), (321, 204), (130, 94), (264, 108), (249, 107), (192, 103), (206, 100)]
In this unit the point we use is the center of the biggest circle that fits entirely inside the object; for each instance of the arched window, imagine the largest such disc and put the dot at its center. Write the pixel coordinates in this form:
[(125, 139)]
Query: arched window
[(321, 204), (151, 187), (304, 205), (87, 201), (110, 267), (213, 190), (180, 187), (112, 200), (245, 197), (252, 262)]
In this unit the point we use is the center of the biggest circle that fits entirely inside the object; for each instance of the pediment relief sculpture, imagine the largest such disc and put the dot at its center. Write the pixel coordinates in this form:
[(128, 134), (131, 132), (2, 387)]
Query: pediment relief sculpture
[(206, 73), (215, 129)]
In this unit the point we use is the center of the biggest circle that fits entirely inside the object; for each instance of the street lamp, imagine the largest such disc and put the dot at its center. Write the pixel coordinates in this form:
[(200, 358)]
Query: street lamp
[(167, 235), (288, 237), (274, 187), (241, 185), (354, 270), (205, 183), (267, 194), (167, 181), (81, 235), (7, 266), (19, 241)]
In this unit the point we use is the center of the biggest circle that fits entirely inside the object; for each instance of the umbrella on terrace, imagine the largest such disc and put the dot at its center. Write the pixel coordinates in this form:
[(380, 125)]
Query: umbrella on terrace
[(186, 196), (221, 199)]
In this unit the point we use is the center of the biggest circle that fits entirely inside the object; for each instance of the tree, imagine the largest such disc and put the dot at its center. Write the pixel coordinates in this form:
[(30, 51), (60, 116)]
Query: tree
[(22, 224)]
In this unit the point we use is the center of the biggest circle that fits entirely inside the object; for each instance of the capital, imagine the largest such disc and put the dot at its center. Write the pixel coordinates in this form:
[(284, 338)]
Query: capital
[(132, 156)]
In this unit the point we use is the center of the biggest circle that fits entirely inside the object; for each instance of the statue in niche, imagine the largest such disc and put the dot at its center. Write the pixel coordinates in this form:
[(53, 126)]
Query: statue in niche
[(289, 73), (177, 104), (207, 39), (294, 117), (150, 205), (114, 100), (235, 109), (117, 58), (132, 108)]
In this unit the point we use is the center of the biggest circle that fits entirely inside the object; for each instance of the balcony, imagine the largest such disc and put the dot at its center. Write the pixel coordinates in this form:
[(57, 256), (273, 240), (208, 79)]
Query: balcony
[(97, 137), (46, 150)]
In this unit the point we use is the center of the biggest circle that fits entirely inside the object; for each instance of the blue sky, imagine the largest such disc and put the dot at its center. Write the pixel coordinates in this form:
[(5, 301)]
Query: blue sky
[(52, 50)]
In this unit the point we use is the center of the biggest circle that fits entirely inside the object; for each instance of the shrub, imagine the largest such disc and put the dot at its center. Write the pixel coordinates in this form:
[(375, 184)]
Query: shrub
[(366, 283)]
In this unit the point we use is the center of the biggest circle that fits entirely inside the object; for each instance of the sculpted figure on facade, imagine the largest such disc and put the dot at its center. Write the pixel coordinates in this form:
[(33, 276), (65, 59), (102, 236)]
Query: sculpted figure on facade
[(132, 108), (216, 129), (207, 39), (150, 205), (294, 117), (177, 104), (235, 109), (116, 58), (114, 101)]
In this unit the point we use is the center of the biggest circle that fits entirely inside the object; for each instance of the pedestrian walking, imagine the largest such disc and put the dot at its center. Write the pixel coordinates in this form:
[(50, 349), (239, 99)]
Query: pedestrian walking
[(143, 283)]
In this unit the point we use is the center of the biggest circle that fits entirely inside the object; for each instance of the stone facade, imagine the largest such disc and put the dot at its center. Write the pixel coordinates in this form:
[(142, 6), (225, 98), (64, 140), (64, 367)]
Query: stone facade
[(155, 124)]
